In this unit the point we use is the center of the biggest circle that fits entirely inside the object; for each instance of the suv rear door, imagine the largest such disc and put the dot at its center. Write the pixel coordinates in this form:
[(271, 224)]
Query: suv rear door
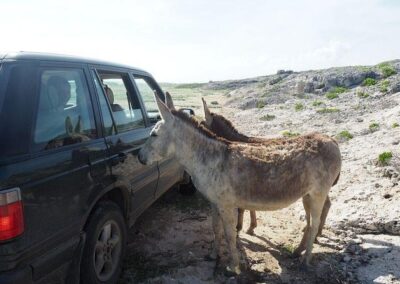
[(55, 176), (125, 132)]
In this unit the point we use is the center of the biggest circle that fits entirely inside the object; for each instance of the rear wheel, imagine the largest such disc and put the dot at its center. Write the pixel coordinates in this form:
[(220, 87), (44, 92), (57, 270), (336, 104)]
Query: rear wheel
[(105, 245)]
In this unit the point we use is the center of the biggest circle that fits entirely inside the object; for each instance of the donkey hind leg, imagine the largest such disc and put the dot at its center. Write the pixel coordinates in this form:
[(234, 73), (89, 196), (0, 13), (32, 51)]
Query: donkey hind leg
[(253, 222), (217, 228), (324, 214), (317, 201), (302, 246), (228, 216), (325, 210), (239, 225)]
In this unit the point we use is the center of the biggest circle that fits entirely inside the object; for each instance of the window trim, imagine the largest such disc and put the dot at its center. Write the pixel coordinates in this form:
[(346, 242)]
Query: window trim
[(33, 148), (132, 75), (93, 72), (131, 88)]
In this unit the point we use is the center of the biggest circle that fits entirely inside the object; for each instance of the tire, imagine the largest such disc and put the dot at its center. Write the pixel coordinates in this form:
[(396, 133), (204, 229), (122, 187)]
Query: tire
[(105, 245)]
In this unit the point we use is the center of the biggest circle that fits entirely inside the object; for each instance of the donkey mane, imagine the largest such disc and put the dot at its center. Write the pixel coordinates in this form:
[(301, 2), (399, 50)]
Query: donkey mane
[(199, 127)]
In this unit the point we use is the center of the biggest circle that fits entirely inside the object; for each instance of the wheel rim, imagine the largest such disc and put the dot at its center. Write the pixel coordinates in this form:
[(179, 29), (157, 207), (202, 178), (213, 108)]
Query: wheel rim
[(107, 251)]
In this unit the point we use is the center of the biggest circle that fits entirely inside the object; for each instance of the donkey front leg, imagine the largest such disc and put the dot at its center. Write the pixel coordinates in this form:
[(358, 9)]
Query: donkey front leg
[(217, 228), (228, 216), (240, 220)]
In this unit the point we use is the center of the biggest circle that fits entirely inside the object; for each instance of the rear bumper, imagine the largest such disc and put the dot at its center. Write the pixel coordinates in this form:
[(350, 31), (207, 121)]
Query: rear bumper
[(17, 276), (54, 263)]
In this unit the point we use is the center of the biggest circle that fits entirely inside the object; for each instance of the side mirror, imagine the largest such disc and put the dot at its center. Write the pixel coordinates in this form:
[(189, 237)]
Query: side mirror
[(188, 111)]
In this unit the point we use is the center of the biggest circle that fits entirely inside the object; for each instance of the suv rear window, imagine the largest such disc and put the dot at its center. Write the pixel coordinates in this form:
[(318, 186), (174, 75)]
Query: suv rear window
[(65, 114)]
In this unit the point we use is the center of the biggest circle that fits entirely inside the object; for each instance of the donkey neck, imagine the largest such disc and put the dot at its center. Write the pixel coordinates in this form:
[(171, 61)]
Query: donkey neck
[(225, 129), (195, 151)]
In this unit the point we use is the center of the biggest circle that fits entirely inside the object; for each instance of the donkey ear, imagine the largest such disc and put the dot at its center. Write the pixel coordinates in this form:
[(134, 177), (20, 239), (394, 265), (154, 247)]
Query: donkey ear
[(164, 110), (169, 102), (68, 126), (78, 125), (207, 113)]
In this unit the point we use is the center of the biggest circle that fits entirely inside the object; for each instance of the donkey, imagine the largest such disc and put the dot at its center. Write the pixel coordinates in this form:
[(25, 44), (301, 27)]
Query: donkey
[(224, 128), (267, 176)]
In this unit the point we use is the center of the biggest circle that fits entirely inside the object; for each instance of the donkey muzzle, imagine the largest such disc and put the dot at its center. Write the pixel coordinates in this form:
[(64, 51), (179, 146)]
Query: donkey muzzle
[(141, 160)]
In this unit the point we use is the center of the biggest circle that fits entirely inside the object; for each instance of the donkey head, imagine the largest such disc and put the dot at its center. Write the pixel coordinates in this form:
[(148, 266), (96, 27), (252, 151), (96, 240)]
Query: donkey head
[(160, 143)]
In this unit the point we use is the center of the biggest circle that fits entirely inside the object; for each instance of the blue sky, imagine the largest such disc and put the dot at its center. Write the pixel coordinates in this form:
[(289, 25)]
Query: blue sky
[(198, 41)]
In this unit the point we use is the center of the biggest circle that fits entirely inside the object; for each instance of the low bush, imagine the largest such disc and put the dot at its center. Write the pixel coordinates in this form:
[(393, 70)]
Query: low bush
[(317, 103), (260, 104), (345, 135), (387, 69), (362, 95), (288, 133), (268, 117), (369, 82), (374, 127), (328, 110), (384, 158), (299, 107)]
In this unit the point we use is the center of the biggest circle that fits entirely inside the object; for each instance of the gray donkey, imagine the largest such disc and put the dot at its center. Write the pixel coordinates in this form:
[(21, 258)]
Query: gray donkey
[(265, 176)]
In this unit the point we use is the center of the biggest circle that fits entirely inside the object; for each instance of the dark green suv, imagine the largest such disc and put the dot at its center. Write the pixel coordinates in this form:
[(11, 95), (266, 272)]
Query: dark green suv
[(70, 180)]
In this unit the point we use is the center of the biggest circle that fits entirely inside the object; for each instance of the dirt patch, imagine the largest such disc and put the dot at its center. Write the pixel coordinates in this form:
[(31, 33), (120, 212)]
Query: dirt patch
[(170, 240)]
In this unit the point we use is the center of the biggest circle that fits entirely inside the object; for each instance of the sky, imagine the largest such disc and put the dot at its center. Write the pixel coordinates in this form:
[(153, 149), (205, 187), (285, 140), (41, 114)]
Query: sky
[(198, 41)]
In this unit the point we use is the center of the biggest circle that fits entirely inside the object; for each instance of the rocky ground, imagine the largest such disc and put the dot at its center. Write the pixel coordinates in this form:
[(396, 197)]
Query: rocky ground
[(357, 105)]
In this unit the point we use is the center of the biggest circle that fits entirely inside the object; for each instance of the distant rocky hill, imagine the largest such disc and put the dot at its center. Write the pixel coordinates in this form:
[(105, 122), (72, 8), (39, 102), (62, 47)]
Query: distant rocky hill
[(277, 88)]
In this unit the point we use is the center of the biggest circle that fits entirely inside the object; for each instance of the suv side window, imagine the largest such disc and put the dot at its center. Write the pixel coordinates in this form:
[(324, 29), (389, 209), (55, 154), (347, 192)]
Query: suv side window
[(146, 89), (125, 107), (65, 113)]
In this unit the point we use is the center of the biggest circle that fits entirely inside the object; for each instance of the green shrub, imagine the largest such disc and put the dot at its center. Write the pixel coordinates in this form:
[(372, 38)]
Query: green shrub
[(299, 107), (395, 125), (362, 95), (317, 103), (332, 96), (373, 127), (339, 90), (384, 86), (369, 82), (260, 104), (288, 133), (387, 69), (268, 117), (334, 93), (345, 135), (384, 158), (328, 110)]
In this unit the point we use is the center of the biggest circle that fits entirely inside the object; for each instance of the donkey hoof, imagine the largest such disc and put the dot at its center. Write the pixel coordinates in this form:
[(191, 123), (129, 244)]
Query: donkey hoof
[(296, 253), (229, 272), (303, 267), (250, 232)]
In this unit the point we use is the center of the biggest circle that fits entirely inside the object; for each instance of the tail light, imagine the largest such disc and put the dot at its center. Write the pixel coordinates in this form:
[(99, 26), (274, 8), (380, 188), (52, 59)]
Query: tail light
[(11, 214)]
